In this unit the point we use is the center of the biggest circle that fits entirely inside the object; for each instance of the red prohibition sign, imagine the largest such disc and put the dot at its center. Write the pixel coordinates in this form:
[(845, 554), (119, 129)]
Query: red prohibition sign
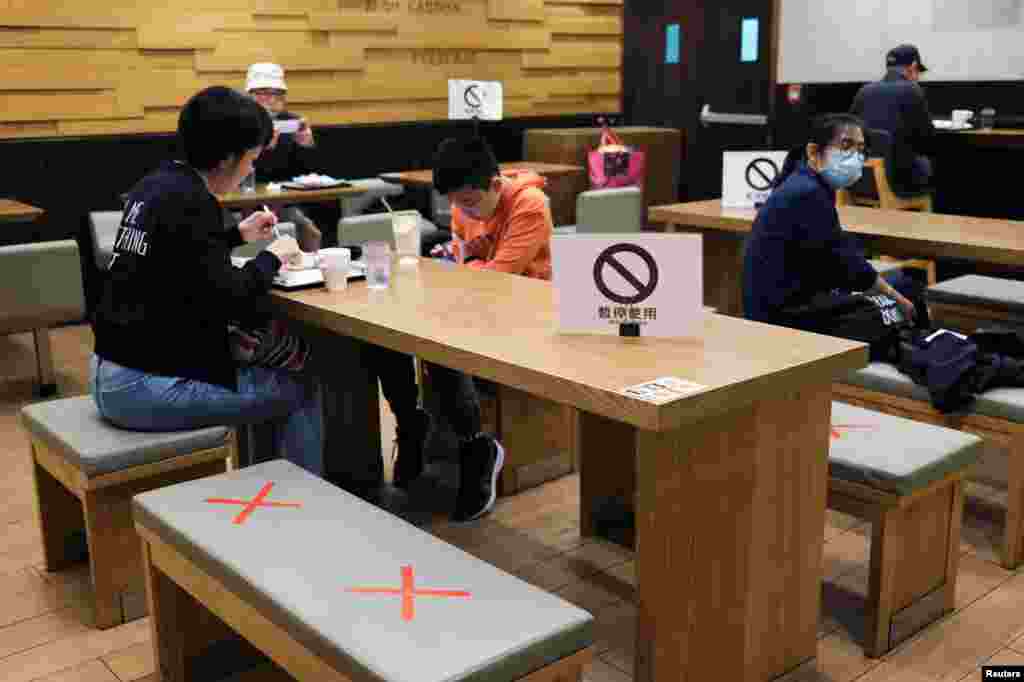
[(409, 592), (250, 505)]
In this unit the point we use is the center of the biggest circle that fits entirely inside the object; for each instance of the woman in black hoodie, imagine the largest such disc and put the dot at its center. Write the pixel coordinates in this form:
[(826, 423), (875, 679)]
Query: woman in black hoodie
[(163, 359)]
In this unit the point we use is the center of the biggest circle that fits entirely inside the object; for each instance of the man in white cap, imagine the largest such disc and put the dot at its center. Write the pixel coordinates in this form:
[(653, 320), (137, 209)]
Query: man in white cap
[(265, 83), (291, 152)]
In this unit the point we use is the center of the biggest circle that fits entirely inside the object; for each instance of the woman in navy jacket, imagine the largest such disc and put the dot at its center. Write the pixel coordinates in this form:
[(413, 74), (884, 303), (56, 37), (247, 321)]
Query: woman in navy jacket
[(797, 248)]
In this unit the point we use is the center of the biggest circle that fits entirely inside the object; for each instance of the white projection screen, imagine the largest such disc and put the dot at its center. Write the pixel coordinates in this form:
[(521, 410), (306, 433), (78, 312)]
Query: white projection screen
[(841, 41)]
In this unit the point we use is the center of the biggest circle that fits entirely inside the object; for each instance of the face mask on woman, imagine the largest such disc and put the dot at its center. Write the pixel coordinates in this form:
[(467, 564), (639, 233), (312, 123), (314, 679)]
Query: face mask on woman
[(842, 169)]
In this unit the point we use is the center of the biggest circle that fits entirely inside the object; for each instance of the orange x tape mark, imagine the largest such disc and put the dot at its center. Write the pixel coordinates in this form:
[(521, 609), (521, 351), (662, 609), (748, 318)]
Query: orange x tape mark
[(250, 505), (836, 427), (408, 592)]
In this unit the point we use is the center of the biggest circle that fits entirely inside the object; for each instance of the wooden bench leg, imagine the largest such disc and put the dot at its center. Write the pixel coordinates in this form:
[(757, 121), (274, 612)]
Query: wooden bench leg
[(182, 627), (1013, 534), (113, 557), (915, 552), (60, 519), (44, 363)]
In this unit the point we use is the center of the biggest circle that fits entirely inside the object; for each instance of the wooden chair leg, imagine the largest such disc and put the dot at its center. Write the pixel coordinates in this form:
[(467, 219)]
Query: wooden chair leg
[(44, 362), (60, 519)]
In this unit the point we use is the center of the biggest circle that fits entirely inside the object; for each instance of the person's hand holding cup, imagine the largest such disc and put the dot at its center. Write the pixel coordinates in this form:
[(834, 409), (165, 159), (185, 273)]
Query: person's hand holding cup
[(335, 264)]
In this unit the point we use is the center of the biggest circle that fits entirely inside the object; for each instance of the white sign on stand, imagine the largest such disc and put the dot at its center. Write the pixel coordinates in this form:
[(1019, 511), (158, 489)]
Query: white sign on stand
[(747, 177), (629, 284), (475, 99)]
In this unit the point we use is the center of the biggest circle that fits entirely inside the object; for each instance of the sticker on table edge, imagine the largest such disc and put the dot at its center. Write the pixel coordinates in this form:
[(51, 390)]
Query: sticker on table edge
[(663, 390)]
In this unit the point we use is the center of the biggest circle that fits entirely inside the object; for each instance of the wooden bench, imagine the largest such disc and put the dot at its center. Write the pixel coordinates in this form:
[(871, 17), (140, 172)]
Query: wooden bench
[(332, 588), (997, 416), (86, 472), (904, 477), (971, 301)]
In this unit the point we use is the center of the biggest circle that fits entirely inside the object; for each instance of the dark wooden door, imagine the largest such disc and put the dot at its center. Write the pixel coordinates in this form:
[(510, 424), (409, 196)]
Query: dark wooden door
[(713, 68)]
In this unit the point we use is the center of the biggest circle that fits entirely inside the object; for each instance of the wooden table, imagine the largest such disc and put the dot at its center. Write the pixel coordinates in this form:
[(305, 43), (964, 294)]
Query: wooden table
[(301, 196), (12, 211), (731, 480), (896, 233)]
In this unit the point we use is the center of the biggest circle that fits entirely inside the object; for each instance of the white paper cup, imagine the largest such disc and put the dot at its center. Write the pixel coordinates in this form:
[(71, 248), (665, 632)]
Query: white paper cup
[(962, 116), (335, 264)]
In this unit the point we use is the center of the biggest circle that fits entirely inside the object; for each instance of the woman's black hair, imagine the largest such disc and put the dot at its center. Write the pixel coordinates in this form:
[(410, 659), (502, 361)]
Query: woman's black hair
[(218, 123), (823, 130)]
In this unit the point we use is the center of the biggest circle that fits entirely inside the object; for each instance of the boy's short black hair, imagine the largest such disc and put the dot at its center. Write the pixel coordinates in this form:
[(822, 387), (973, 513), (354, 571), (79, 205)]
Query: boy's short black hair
[(219, 122), (463, 163)]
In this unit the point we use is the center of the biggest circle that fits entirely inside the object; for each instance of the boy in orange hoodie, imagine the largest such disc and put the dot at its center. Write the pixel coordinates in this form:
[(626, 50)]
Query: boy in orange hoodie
[(504, 223)]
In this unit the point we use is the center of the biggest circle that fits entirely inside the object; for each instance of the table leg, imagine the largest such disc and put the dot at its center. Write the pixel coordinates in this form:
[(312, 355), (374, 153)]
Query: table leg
[(729, 536), (352, 445)]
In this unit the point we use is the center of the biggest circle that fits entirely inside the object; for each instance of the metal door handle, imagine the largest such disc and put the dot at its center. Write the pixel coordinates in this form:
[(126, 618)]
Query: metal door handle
[(707, 116)]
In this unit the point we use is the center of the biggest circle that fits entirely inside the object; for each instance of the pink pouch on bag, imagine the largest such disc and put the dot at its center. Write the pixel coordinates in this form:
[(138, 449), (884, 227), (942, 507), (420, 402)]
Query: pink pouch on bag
[(613, 164)]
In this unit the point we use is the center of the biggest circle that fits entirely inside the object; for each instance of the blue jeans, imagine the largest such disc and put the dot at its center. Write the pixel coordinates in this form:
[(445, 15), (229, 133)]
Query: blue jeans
[(140, 401)]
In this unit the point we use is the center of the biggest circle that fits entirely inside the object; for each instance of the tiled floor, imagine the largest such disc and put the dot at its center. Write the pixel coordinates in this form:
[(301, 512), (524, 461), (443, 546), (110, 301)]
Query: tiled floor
[(44, 618)]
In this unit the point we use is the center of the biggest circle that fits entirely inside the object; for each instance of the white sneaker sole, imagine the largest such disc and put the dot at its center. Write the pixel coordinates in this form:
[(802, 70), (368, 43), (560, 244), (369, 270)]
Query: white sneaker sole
[(499, 462)]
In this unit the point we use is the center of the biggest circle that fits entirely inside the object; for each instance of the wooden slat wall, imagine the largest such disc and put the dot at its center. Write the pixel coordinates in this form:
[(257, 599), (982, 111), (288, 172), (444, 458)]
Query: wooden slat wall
[(92, 67)]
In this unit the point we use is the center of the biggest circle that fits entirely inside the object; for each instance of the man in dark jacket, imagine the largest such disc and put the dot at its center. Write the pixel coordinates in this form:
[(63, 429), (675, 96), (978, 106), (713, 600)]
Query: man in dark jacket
[(897, 105)]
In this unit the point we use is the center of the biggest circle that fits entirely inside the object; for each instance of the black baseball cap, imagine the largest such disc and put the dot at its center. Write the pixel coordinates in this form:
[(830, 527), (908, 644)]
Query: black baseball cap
[(904, 55)]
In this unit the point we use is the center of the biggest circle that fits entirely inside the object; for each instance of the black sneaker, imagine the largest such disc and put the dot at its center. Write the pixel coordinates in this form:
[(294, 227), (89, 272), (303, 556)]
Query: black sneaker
[(409, 444), (480, 462)]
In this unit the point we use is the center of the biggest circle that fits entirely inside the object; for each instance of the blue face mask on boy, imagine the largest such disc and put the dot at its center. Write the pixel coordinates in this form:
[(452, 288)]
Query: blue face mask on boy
[(842, 169)]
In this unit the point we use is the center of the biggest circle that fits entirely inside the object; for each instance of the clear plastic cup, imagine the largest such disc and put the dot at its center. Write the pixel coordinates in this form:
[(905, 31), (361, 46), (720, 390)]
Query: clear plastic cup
[(335, 263), (406, 225), (378, 265)]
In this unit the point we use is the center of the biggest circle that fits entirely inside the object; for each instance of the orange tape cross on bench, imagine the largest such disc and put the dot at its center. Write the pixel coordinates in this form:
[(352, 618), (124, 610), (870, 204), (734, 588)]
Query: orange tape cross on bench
[(250, 505), (409, 593)]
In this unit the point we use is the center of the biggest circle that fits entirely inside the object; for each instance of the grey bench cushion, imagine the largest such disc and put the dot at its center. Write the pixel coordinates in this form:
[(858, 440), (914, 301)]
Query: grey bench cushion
[(95, 446), (335, 541), (979, 290), (1002, 403), (892, 453)]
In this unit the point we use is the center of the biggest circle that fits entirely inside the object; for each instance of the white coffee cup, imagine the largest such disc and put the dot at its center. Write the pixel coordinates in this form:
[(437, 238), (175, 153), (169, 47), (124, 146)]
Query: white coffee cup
[(335, 264), (962, 116)]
